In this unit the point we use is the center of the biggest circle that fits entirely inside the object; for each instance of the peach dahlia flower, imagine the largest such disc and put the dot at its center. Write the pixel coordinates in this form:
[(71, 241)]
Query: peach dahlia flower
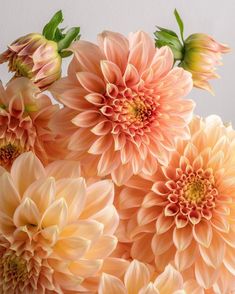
[(185, 213), (54, 232), (24, 121), (128, 102), (137, 280)]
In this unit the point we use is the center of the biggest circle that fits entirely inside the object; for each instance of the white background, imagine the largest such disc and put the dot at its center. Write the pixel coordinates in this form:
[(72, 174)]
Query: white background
[(214, 17)]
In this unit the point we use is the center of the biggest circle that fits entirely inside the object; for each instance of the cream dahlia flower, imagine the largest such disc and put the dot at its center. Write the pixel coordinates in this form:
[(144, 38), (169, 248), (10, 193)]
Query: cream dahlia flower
[(137, 280), (185, 213), (128, 102), (24, 121), (54, 232)]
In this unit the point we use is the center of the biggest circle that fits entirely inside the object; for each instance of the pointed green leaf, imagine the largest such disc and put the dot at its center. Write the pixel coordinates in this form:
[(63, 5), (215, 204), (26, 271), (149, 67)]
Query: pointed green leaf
[(170, 32), (69, 37), (50, 29), (180, 24)]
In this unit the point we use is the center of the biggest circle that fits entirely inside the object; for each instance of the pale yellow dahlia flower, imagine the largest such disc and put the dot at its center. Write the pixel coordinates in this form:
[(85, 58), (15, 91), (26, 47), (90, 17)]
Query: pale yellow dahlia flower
[(185, 213), (54, 231)]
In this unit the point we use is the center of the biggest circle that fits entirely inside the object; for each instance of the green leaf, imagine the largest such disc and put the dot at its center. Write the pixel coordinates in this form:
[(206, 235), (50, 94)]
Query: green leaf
[(180, 24), (51, 28), (170, 32), (69, 37)]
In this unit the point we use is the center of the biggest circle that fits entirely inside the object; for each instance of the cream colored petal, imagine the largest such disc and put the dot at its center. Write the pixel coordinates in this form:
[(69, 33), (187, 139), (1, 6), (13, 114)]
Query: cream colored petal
[(88, 229), (26, 214), (86, 268), (136, 277), (111, 285), (9, 197), (99, 195), (50, 234), (169, 281), (104, 246), (56, 214), (149, 289), (71, 248), (25, 170), (73, 191), (42, 192), (185, 259), (109, 218)]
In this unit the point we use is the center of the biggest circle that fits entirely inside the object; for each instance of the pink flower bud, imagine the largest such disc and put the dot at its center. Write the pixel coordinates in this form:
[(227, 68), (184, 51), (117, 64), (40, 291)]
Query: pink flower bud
[(34, 57)]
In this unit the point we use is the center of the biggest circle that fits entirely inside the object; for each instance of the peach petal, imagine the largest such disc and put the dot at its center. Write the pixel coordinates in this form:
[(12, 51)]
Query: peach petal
[(202, 233), (74, 193), (229, 261), (105, 190), (182, 237), (141, 248), (205, 275), (9, 197), (56, 214), (149, 289), (136, 276), (26, 214), (104, 246), (163, 224), (111, 72), (30, 163), (220, 222), (63, 168), (81, 139), (85, 268), (215, 254), (101, 145), (169, 281), (71, 248), (41, 192), (86, 119), (111, 285), (109, 218), (115, 266), (186, 258), (91, 82), (161, 243), (192, 287)]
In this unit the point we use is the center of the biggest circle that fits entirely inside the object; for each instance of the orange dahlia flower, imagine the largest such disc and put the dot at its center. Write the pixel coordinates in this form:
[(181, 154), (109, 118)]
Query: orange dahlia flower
[(185, 213), (54, 232), (137, 280), (128, 101), (24, 120)]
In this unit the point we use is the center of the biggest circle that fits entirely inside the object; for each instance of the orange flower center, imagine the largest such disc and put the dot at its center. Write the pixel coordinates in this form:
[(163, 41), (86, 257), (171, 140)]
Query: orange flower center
[(8, 153)]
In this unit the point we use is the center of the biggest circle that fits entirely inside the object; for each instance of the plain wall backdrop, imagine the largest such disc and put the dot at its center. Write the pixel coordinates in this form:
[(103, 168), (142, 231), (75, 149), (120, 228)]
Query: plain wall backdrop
[(214, 17)]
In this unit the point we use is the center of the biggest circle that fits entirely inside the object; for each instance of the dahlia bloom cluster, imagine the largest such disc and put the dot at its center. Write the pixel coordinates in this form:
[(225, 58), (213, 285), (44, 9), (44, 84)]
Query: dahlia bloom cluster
[(114, 186)]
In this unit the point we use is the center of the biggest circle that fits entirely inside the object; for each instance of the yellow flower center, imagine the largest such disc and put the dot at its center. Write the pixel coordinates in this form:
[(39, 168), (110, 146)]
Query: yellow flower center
[(139, 110), (15, 270), (195, 191)]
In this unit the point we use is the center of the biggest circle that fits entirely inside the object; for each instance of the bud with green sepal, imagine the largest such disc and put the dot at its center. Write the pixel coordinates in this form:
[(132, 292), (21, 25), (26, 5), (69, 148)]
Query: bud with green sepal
[(39, 56), (198, 53)]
